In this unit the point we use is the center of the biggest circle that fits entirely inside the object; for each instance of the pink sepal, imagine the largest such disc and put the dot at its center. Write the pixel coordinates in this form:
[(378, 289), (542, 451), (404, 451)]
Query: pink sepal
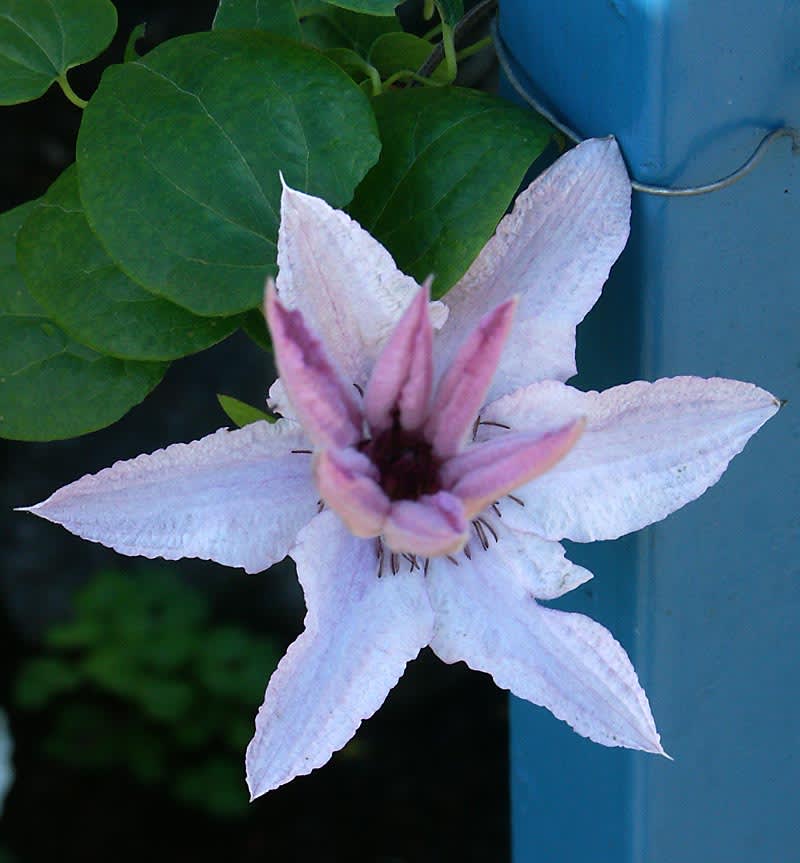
[(323, 402), (346, 479), (464, 385), (402, 379), (485, 472), (432, 525)]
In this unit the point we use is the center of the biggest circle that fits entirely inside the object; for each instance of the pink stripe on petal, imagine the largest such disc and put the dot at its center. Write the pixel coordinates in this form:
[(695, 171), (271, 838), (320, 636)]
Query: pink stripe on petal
[(485, 472), (323, 402), (433, 525), (402, 378), (346, 479), (464, 385)]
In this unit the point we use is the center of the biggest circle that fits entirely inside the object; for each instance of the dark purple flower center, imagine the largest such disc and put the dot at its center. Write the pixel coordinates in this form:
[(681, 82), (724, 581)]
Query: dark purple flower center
[(408, 468)]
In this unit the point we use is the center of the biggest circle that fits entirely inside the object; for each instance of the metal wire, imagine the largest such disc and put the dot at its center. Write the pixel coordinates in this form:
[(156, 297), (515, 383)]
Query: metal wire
[(504, 59)]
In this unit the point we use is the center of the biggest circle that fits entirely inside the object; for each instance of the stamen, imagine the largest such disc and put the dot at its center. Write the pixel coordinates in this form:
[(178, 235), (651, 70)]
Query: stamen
[(496, 509), (467, 553), (303, 451), (320, 506), (360, 389), (412, 560), (394, 563), (475, 426), (495, 424), (425, 567), (516, 499), (379, 547), (481, 534), (488, 527), (453, 560)]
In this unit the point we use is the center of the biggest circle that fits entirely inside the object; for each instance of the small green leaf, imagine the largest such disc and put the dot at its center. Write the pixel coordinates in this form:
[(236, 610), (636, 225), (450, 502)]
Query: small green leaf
[(368, 7), (50, 386), (396, 52), (191, 139), (451, 162), (328, 27), (90, 298), (274, 16), (41, 39), (242, 413)]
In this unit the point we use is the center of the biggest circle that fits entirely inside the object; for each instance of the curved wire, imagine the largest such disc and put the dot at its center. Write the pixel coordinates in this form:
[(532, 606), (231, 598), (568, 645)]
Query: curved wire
[(503, 58)]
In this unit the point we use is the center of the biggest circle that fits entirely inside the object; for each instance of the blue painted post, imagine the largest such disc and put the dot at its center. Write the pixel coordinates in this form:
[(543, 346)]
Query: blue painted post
[(708, 602)]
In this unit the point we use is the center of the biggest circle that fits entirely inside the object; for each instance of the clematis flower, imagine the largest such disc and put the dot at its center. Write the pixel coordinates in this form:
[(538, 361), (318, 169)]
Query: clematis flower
[(429, 460)]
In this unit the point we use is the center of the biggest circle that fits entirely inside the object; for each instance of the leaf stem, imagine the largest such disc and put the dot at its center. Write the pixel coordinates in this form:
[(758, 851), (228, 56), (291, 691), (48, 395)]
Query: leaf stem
[(450, 58), (70, 93), (474, 48), (432, 33), (407, 74)]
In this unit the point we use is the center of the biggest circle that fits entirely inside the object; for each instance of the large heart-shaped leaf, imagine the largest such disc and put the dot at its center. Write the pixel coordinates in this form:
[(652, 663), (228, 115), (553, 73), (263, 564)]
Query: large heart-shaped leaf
[(191, 139), (82, 290), (50, 386), (274, 16), (41, 39), (451, 162)]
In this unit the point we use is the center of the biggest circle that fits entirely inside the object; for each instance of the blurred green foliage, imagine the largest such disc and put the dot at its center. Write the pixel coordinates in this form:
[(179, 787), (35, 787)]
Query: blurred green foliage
[(143, 680)]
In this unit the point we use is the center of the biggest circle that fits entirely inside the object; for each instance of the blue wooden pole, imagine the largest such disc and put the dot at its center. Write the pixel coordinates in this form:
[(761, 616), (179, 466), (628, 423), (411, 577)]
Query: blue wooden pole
[(708, 602)]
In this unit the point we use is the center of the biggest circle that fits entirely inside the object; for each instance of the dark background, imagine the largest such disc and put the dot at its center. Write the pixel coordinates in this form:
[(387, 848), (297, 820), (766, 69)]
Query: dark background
[(427, 778)]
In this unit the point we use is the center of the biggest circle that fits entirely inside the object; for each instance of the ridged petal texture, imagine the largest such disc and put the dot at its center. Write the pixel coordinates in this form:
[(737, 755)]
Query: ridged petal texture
[(236, 497), (360, 632), (648, 449)]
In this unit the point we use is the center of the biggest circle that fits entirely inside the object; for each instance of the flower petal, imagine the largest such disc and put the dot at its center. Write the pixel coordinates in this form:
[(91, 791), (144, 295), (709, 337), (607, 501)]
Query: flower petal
[(433, 525), (485, 472), (346, 283), (402, 379), (346, 479), (463, 387), (325, 405), (648, 449), (360, 631), (555, 250), (486, 616), (236, 497)]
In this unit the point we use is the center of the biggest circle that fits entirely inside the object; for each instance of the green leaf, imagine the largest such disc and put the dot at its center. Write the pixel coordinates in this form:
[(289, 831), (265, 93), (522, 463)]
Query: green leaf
[(50, 386), (395, 52), (40, 680), (41, 39), (368, 7), (274, 16), (241, 413), (328, 27), (191, 139), (90, 298), (450, 11), (254, 324), (451, 162), (347, 59)]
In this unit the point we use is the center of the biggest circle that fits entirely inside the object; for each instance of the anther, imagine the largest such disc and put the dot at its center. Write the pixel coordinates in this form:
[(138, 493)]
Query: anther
[(360, 389), (452, 559), (412, 560), (302, 451), (495, 424), (496, 509), (394, 563), (320, 506), (516, 499), (488, 527), (379, 547), (481, 534), (467, 553), (425, 566)]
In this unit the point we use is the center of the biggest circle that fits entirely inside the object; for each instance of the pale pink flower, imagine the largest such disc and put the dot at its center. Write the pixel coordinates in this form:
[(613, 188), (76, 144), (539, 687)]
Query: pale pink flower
[(447, 467)]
